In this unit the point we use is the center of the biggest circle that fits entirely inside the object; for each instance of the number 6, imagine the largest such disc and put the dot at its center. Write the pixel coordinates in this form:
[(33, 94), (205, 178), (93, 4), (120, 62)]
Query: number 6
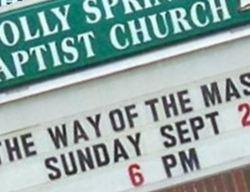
[(136, 177)]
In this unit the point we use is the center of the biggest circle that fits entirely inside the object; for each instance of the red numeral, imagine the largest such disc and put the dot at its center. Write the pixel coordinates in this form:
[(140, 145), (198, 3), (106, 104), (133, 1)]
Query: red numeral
[(245, 109), (135, 175)]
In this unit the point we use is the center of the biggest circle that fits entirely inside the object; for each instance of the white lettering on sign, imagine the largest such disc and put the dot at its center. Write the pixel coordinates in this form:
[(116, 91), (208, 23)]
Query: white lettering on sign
[(21, 58), (45, 29), (178, 18)]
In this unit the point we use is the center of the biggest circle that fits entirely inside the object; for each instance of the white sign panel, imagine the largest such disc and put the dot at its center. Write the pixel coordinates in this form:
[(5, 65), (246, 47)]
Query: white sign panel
[(191, 125)]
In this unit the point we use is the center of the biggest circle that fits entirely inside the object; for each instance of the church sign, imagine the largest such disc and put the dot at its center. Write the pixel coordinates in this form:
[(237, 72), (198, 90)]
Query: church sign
[(52, 38)]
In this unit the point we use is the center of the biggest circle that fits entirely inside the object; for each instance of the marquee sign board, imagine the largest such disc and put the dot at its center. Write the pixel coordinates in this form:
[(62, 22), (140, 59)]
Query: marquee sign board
[(52, 38), (189, 127)]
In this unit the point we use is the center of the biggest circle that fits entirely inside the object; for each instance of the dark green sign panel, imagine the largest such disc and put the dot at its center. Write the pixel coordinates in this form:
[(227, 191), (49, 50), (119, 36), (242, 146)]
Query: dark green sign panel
[(53, 38)]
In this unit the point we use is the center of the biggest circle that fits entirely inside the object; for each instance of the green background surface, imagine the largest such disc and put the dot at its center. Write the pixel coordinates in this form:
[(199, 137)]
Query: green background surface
[(104, 50)]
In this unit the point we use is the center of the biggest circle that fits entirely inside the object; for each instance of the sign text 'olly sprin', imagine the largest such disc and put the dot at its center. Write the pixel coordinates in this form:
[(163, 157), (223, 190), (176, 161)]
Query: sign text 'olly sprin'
[(52, 38)]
